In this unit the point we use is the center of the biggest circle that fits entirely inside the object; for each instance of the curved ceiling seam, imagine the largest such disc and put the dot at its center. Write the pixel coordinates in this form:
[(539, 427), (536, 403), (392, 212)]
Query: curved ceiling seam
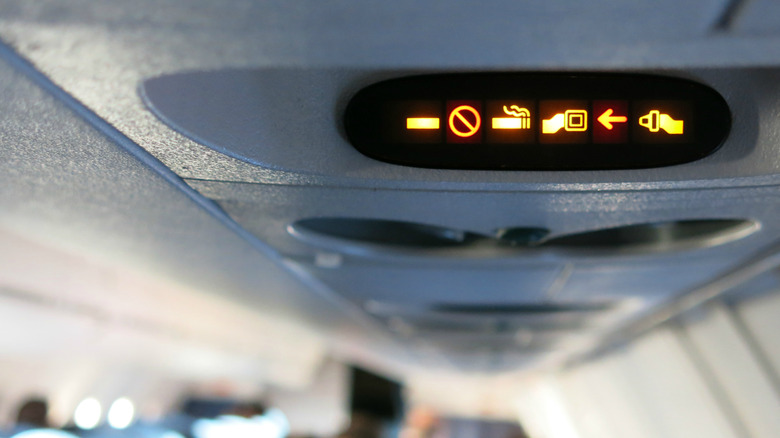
[(129, 146)]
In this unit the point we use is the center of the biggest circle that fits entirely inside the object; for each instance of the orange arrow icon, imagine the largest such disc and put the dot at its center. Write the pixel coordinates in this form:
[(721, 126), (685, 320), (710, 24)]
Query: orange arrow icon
[(607, 119)]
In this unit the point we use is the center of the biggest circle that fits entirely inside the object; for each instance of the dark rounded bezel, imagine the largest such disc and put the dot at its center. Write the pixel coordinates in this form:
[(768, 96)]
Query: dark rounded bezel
[(712, 120)]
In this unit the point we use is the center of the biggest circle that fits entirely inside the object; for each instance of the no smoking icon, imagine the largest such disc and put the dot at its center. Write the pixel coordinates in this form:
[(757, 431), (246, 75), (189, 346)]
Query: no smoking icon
[(464, 122)]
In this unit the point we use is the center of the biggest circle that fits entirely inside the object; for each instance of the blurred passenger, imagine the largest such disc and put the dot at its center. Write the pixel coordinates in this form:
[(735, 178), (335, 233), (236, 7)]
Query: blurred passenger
[(32, 414), (422, 422), (247, 410), (363, 426)]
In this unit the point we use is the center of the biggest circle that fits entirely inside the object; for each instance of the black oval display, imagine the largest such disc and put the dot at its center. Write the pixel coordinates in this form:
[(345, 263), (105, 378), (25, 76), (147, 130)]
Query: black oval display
[(537, 121)]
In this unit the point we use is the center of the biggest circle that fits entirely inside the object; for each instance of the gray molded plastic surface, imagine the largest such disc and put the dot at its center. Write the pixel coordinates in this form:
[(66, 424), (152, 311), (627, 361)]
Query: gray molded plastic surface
[(267, 210), (426, 285), (71, 181), (292, 120), (759, 17), (101, 52), (310, 59), (366, 236)]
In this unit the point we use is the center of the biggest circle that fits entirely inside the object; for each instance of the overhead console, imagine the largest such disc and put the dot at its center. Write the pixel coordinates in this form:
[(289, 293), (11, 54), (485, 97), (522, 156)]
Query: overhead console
[(507, 267), (539, 121)]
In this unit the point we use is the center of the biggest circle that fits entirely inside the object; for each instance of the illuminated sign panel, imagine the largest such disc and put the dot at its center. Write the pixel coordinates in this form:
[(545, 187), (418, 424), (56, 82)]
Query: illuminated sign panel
[(537, 121)]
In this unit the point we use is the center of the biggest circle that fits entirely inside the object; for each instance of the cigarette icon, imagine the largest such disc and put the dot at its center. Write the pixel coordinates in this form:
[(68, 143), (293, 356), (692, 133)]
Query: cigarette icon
[(521, 119), (511, 123)]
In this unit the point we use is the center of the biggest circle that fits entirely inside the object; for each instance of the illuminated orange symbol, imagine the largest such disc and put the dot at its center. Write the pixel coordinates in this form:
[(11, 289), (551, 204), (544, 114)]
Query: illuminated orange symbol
[(570, 120), (470, 127), (521, 119), (655, 121), (422, 123), (607, 119)]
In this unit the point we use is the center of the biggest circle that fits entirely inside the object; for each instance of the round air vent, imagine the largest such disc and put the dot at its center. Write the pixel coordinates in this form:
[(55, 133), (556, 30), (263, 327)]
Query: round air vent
[(377, 236), (659, 236), (381, 232)]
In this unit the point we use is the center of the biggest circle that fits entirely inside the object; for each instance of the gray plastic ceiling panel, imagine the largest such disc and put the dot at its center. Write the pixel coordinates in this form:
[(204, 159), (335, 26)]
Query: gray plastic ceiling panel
[(486, 275), (652, 283), (293, 120), (382, 33), (268, 210), (76, 187), (101, 52), (72, 182), (414, 287), (757, 17)]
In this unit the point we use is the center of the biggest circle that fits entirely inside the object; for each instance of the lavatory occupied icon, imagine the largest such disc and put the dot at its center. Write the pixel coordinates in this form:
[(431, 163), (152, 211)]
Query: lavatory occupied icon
[(570, 120), (655, 121)]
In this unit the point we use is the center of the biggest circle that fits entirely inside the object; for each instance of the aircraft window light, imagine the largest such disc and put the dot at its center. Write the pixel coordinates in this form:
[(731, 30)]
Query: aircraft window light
[(121, 413), (43, 433), (278, 417), (231, 426), (87, 414)]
